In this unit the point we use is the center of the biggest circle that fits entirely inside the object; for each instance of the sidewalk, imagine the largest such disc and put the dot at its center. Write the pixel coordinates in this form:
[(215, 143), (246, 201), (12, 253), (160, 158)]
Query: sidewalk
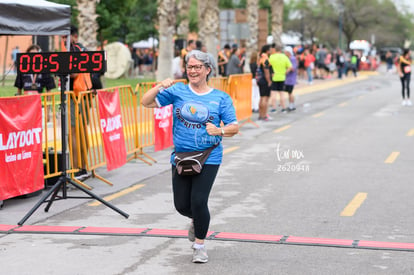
[(303, 87)]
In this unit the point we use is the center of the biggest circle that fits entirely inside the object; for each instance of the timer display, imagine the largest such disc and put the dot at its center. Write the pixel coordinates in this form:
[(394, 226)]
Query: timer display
[(62, 62)]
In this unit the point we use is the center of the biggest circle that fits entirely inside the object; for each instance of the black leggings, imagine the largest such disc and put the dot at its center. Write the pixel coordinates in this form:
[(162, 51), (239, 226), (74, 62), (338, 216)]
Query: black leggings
[(405, 82), (191, 197)]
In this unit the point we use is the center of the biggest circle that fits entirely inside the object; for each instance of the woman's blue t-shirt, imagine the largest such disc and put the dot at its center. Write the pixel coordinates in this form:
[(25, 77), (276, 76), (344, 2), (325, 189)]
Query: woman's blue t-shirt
[(191, 112)]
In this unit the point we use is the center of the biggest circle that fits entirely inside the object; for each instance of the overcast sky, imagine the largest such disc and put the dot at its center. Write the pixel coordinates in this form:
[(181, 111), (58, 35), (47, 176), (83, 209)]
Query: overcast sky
[(408, 3)]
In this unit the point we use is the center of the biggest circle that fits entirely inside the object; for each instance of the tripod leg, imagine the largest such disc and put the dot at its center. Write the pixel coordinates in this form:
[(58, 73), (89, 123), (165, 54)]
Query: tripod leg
[(42, 200), (99, 199), (52, 198)]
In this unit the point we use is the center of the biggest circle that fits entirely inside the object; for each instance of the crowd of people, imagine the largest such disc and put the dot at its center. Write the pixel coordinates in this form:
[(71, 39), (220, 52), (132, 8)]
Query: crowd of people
[(143, 60), (277, 70)]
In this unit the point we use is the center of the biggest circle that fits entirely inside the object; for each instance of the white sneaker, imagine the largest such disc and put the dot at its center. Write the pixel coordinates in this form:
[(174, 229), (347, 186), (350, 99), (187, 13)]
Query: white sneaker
[(200, 255), (404, 103), (409, 103)]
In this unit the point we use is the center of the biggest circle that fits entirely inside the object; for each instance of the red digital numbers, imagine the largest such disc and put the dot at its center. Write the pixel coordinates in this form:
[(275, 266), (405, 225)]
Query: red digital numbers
[(83, 62), (53, 63), (62, 62), (97, 59), (37, 61), (24, 61), (70, 63)]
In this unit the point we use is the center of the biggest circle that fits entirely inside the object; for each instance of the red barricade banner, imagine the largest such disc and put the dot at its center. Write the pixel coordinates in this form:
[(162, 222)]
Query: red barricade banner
[(21, 158), (112, 129), (163, 127)]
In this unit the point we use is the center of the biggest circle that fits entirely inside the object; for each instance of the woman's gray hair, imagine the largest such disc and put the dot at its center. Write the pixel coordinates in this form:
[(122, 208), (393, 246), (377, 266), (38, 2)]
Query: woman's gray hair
[(207, 59)]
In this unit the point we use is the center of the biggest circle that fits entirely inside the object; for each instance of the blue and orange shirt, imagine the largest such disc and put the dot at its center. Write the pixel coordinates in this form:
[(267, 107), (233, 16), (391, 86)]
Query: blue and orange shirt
[(191, 112)]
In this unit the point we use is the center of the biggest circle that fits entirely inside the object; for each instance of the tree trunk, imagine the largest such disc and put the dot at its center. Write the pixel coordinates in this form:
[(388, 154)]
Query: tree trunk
[(209, 16), (253, 22), (184, 11), (201, 10), (166, 19), (88, 27), (277, 21)]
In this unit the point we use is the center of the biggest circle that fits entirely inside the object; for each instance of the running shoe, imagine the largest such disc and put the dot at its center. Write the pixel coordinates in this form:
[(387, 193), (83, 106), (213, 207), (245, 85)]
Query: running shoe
[(191, 233), (200, 255), (409, 103), (404, 103)]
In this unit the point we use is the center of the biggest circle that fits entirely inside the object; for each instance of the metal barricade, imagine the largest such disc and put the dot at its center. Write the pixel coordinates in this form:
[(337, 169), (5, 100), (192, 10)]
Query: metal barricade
[(145, 133), (240, 89)]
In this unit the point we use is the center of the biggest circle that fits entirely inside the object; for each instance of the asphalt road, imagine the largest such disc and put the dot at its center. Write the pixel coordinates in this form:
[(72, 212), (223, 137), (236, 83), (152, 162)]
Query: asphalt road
[(339, 167)]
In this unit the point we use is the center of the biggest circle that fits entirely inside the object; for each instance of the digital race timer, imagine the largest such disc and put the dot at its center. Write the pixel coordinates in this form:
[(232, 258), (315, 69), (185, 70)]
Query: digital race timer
[(62, 62)]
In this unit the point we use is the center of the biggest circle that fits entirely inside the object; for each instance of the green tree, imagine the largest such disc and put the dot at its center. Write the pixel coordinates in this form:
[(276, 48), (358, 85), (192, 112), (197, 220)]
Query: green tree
[(126, 21)]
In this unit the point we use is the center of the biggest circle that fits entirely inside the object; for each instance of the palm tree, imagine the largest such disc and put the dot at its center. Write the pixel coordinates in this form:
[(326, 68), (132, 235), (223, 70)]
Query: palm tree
[(208, 19), (277, 21), (88, 27), (183, 7), (253, 22), (166, 20), (201, 11)]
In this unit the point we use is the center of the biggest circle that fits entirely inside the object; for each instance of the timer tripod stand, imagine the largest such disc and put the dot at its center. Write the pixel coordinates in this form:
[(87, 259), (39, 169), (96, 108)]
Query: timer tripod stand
[(62, 182)]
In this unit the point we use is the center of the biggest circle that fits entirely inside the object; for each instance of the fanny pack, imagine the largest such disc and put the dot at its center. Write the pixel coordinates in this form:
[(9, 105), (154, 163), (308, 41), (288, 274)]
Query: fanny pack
[(191, 163)]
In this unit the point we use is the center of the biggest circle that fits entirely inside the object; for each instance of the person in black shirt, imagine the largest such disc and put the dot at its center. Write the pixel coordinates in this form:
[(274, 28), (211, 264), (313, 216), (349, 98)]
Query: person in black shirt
[(34, 82)]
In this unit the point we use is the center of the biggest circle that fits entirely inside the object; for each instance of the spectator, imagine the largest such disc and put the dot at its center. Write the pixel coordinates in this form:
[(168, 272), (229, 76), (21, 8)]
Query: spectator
[(135, 60), (301, 63), (255, 87), (264, 81), (291, 78), (281, 65), (14, 53), (404, 71), (354, 63), (234, 66), (176, 69), (34, 82), (340, 63), (309, 65), (389, 61), (242, 57), (191, 45), (78, 83), (223, 59), (321, 62)]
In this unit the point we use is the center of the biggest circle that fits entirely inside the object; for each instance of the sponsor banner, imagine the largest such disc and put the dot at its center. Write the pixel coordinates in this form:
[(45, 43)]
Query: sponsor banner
[(21, 158), (112, 129), (163, 127)]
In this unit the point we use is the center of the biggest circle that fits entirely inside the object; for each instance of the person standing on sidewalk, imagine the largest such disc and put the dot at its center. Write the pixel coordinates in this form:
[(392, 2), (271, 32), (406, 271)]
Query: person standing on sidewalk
[(291, 78), (235, 64), (264, 82), (404, 71), (198, 111), (281, 65), (309, 64), (340, 63)]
